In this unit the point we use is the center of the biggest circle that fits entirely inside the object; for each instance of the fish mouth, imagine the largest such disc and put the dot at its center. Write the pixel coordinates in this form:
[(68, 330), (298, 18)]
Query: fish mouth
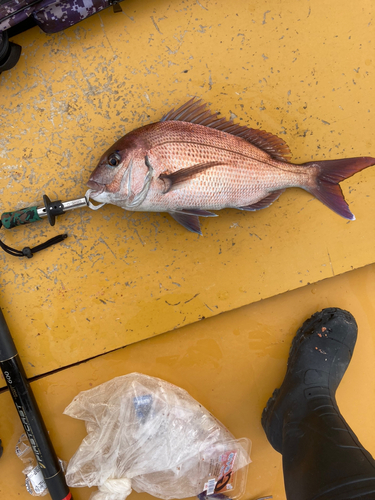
[(96, 188)]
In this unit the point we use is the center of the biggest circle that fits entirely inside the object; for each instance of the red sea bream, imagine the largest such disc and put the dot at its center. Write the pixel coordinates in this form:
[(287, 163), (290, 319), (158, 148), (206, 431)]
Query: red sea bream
[(192, 162)]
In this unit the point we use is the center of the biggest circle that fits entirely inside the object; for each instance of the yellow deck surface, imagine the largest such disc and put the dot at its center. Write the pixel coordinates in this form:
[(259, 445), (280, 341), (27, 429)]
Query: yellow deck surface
[(303, 70), (230, 364)]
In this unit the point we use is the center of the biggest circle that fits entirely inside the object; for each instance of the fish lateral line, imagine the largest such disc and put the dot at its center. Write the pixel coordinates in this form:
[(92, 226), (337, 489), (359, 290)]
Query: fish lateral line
[(195, 111), (265, 161), (226, 150)]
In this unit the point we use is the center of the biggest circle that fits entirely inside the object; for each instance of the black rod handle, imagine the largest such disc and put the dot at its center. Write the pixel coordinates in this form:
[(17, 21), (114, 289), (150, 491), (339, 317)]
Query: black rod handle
[(30, 415), (7, 347)]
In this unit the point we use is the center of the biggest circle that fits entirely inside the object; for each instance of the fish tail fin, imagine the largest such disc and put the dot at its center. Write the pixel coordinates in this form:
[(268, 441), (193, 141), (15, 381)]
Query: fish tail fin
[(329, 174)]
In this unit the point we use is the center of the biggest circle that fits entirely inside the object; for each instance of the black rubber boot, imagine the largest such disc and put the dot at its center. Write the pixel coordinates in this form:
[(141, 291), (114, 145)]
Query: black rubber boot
[(322, 457)]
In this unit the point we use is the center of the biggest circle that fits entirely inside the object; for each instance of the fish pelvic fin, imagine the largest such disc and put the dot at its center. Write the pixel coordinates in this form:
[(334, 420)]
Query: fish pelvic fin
[(329, 174), (181, 177), (196, 211), (190, 222), (196, 111)]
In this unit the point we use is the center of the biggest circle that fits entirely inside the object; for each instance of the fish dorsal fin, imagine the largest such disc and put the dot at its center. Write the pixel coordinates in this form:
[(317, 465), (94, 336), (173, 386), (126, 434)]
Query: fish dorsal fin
[(195, 111)]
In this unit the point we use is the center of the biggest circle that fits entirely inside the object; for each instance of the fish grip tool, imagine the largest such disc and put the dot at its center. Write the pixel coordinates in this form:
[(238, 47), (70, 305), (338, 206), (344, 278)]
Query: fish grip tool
[(50, 210)]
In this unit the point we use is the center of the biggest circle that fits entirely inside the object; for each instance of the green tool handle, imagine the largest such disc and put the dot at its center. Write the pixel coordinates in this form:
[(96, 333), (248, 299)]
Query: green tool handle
[(23, 216)]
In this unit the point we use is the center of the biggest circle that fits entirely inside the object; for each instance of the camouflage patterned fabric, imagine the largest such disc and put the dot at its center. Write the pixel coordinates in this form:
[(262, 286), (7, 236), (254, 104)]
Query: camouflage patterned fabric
[(50, 15), (23, 216)]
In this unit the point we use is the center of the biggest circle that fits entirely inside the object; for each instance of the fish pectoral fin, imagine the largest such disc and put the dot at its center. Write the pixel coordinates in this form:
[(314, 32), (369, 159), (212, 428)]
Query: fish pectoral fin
[(190, 222), (181, 177), (196, 211), (264, 203)]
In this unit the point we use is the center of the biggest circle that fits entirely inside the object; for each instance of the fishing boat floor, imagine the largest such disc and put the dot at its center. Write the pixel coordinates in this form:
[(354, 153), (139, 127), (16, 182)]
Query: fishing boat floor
[(230, 363), (135, 292)]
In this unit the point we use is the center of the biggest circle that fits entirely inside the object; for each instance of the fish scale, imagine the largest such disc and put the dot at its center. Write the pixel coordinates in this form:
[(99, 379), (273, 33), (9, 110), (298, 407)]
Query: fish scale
[(192, 162), (242, 181)]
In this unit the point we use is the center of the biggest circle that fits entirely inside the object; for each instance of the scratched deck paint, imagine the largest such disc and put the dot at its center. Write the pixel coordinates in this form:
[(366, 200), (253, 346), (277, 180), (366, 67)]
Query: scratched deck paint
[(299, 70), (230, 363)]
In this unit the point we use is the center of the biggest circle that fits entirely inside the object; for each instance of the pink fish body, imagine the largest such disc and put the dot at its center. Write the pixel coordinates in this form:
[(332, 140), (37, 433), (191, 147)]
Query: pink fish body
[(192, 162)]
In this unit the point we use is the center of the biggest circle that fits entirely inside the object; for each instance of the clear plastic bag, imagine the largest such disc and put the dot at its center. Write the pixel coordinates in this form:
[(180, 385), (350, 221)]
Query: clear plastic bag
[(151, 436), (34, 479)]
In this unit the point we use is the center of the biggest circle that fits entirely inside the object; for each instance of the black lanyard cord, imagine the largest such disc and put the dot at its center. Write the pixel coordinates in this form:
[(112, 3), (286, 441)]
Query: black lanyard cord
[(27, 251)]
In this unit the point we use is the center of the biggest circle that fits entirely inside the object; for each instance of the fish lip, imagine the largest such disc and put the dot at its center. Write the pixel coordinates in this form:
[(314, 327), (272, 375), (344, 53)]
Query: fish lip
[(95, 187)]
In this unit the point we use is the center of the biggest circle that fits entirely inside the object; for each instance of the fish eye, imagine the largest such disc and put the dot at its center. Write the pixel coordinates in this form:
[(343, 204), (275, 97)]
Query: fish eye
[(114, 160)]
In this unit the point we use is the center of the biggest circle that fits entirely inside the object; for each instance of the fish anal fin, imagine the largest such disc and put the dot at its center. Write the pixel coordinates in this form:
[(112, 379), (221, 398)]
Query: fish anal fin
[(177, 179), (190, 222), (264, 203), (196, 111)]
